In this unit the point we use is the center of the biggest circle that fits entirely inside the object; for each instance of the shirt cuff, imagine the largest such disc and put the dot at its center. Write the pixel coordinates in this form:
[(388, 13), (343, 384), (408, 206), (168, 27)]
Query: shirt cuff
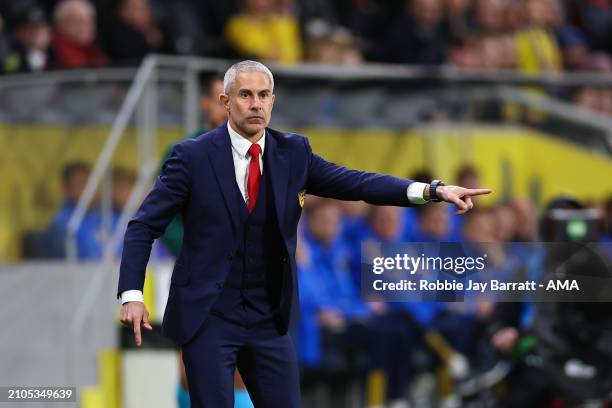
[(415, 193), (131, 296)]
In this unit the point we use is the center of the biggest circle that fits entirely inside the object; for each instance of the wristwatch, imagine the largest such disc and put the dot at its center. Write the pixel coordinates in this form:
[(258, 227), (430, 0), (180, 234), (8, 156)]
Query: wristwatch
[(433, 196)]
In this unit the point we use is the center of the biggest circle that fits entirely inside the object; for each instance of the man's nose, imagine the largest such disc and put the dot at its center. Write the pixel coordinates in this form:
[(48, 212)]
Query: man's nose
[(256, 103)]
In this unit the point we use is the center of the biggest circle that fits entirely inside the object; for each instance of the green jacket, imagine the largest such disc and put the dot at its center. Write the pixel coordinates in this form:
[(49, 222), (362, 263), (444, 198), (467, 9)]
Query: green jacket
[(173, 237)]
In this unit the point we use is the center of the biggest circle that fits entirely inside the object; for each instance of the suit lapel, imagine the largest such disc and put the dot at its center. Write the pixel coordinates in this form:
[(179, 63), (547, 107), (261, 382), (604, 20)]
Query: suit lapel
[(223, 167), (276, 159)]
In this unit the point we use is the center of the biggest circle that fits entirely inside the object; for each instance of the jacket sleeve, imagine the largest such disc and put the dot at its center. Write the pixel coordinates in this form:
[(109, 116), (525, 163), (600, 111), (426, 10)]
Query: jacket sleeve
[(155, 213), (327, 179)]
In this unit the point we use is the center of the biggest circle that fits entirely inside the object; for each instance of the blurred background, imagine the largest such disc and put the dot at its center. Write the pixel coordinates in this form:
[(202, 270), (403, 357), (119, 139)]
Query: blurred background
[(514, 95)]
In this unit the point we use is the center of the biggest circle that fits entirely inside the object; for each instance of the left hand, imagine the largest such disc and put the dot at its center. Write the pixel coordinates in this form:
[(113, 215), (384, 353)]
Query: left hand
[(460, 196)]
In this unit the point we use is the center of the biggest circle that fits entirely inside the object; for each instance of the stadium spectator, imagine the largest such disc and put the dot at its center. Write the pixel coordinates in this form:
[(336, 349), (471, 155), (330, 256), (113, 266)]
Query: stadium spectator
[(468, 174), (322, 10), (74, 42), (498, 52), (459, 18), (134, 33), (264, 31), (418, 35), (386, 222), (434, 224), (587, 98), (74, 179), (330, 45), (537, 49), (574, 49), (197, 27), (594, 17), (490, 16), (30, 46), (353, 220), (382, 224), (480, 228), (505, 224), (123, 182), (93, 232), (526, 220), (466, 53)]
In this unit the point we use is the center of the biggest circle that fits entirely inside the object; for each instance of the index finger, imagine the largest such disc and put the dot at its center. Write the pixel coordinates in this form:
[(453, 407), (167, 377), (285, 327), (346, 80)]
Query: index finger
[(137, 335), (479, 191)]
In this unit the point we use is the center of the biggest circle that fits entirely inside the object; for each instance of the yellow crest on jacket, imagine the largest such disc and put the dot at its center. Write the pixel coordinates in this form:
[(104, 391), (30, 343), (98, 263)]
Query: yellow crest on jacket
[(301, 196)]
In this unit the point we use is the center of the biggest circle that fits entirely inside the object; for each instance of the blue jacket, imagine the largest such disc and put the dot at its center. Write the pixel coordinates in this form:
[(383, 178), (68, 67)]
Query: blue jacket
[(329, 278), (196, 181), (325, 283), (89, 245)]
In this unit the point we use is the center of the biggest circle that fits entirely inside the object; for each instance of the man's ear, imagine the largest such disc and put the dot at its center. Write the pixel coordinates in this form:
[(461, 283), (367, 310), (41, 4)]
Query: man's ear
[(225, 101)]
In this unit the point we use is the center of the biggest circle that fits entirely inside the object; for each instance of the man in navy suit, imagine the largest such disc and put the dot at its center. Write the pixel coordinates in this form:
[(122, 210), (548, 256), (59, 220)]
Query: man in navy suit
[(240, 190)]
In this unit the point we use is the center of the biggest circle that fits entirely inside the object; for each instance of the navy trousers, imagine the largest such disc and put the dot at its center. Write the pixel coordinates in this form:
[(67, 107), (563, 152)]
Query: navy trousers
[(265, 359)]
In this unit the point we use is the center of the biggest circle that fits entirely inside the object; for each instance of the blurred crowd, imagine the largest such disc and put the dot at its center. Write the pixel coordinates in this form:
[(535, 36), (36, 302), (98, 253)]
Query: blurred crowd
[(97, 224), (462, 339), (529, 35)]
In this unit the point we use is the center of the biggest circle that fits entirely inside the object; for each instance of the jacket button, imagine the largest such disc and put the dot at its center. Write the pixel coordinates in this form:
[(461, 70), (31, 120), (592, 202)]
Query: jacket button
[(218, 285), (230, 256), (285, 259)]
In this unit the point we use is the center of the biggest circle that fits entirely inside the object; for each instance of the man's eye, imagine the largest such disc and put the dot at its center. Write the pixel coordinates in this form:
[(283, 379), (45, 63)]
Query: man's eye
[(244, 94)]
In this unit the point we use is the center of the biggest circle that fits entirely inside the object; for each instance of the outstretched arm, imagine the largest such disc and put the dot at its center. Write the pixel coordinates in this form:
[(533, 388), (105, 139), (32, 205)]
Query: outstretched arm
[(330, 180), (327, 179)]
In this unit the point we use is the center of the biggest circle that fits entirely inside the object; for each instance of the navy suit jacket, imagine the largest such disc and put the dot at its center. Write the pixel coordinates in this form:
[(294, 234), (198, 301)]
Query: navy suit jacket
[(198, 180)]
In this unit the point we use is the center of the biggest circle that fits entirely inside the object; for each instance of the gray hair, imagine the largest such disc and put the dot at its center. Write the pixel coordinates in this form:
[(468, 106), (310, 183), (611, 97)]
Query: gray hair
[(245, 66), (65, 7)]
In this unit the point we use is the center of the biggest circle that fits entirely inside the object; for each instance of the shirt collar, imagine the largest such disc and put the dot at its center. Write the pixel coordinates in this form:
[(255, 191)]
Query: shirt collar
[(241, 144)]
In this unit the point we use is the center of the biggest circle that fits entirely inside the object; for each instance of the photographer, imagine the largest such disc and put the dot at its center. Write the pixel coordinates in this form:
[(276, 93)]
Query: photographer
[(562, 348)]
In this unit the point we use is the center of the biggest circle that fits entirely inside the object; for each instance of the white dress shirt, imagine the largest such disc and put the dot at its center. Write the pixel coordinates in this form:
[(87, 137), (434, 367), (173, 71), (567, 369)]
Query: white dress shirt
[(242, 159), (240, 148)]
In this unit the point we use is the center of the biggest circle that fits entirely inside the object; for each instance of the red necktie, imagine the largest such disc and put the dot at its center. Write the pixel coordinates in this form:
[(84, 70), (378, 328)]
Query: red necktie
[(254, 176)]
